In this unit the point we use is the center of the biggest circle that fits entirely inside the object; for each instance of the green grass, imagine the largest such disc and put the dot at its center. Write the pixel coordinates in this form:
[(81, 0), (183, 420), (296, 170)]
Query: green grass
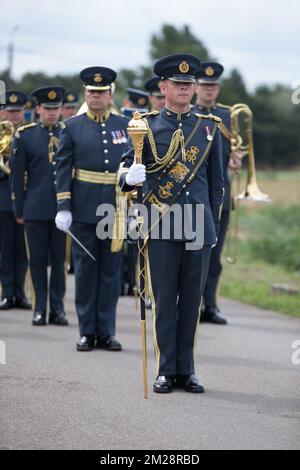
[(251, 282), (268, 251)]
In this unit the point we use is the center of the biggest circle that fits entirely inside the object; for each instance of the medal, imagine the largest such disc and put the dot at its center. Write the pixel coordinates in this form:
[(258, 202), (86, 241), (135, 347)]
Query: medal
[(114, 137), (124, 138), (209, 137)]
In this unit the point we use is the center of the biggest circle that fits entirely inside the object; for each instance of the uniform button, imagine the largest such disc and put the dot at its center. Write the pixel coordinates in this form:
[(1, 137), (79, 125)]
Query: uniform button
[(105, 141), (180, 124), (54, 172), (187, 193), (106, 171), (53, 163), (103, 124), (106, 162), (103, 132), (105, 151), (50, 134)]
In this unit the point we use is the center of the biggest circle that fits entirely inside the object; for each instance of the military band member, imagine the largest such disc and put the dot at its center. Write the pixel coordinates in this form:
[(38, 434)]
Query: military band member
[(70, 105), (182, 157), (33, 151), (13, 264), (207, 91), (156, 98), (91, 147), (69, 109), (30, 110), (135, 100)]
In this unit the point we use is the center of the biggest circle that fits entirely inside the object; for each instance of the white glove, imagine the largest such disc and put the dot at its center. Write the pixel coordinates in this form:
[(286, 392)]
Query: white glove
[(63, 220), (136, 174)]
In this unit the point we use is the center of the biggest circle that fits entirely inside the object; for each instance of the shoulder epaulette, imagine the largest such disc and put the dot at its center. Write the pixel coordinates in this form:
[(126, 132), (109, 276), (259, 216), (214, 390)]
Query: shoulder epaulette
[(224, 106), (27, 126), (24, 128), (209, 116), (151, 113)]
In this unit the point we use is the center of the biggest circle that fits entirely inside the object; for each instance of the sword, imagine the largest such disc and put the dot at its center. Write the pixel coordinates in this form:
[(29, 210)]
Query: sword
[(81, 245)]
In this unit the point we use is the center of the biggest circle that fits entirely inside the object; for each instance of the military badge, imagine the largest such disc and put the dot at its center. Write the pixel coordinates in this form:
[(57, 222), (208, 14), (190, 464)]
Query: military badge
[(52, 95), (209, 72), (179, 172), (13, 99), (184, 67), (70, 98), (98, 78), (142, 101)]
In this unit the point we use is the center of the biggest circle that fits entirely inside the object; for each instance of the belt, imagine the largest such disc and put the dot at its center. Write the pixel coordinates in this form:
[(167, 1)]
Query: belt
[(95, 177)]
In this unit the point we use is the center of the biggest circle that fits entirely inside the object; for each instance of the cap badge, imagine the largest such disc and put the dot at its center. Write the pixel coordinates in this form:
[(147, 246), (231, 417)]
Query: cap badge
[(141, 101), (70, 98), (98, 78), (13, 99), (52, 95), (209, 72), (184, 67)]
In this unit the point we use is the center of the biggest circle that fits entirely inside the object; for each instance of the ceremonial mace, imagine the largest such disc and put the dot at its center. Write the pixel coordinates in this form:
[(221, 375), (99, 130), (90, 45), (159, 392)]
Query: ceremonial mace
[(137, 129)]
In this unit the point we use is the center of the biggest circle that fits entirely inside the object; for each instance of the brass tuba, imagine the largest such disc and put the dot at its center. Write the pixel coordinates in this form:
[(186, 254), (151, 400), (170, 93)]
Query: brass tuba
[(241, 141), (6, 137)]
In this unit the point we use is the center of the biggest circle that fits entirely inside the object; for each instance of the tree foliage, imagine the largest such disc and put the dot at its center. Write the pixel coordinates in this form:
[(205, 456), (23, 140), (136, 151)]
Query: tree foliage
[(276, 119)]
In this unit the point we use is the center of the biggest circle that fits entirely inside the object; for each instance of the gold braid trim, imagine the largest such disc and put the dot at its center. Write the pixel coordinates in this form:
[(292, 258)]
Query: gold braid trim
[(177, 139)]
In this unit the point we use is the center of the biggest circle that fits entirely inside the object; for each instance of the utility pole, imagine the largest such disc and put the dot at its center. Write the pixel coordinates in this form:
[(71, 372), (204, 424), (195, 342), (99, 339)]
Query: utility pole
[(10, 52)]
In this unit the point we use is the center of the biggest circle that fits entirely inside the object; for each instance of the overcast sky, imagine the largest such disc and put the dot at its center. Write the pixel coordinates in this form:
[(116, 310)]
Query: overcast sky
[(260, 38)]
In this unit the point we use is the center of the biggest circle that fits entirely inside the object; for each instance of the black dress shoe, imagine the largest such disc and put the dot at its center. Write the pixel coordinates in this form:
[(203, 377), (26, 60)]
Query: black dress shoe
[(86, 343), (58, 317), (163, 384), (39, 318), (6, 304), (109, 343), (212, 315), (22, 304), (190, 383)]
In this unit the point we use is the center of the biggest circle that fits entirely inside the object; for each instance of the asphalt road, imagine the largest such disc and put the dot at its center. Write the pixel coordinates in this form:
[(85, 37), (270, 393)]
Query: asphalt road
[(52, 397)]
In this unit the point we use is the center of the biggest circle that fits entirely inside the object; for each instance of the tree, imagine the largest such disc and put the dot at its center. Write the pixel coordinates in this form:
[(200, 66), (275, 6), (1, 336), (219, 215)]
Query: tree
[(234, 90), (172, 41)]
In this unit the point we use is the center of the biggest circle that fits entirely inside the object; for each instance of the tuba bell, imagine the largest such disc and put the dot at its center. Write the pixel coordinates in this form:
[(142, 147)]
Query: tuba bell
[(6, 137)]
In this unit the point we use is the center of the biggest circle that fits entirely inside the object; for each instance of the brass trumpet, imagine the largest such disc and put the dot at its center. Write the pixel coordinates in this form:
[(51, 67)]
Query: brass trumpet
[(241, 142), (6, 137)]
